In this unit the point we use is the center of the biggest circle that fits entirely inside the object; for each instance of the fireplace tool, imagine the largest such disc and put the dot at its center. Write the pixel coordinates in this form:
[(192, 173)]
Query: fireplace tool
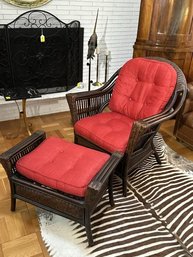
[(106, 64), (92, 44), (97, 83)]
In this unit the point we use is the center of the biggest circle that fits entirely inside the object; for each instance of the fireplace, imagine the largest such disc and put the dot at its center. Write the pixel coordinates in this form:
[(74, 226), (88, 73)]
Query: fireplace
[(40, 52)]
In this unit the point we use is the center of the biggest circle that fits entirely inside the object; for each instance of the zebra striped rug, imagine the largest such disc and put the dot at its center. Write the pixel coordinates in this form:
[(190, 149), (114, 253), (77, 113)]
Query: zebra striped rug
[(155, 219)]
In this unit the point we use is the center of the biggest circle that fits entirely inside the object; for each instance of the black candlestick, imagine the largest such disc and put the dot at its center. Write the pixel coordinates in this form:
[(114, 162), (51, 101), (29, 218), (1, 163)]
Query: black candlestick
[(89, 74), (97, 83), (106, 64)]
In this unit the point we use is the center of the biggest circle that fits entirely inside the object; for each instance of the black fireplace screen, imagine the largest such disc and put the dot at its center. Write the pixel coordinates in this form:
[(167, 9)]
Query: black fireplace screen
[(39, 51)]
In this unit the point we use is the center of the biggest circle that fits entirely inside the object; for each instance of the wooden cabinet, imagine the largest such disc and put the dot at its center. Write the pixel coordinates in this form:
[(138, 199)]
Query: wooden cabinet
[(166, 29)]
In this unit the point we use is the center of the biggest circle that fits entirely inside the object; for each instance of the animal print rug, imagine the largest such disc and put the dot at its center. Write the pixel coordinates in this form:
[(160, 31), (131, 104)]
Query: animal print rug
[(154, 220)]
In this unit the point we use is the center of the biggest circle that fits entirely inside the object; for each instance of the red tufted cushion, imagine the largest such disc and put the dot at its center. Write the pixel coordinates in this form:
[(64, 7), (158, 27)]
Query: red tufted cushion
[(62, 165), (109, 130), (143, 88)]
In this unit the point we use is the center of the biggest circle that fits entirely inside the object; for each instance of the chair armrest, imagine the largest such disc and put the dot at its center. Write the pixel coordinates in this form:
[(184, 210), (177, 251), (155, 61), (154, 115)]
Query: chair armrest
[(84, 104), (146, 129), (9, 158), (173, 109), (102, 177), (159, 118)]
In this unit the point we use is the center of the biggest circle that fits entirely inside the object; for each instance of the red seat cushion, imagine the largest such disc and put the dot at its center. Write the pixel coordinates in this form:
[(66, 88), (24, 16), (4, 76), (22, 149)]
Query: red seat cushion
[(109, 130), (62, 165), (143, 88)]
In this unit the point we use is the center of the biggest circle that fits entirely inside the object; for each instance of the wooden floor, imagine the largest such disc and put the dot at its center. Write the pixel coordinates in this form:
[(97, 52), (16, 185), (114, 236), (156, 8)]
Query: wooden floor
[(19, 231)]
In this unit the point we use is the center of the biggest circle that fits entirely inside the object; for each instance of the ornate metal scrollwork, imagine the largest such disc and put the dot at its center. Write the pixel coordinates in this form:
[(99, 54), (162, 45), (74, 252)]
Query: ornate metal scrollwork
[(40, 19), (43, 52)]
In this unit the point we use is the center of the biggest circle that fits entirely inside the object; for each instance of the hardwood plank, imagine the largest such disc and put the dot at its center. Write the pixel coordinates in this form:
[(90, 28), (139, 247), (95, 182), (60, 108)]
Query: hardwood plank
[(43, 247), (4, 234), (15, 221), (26, 246), (166, 131), (1, 252)]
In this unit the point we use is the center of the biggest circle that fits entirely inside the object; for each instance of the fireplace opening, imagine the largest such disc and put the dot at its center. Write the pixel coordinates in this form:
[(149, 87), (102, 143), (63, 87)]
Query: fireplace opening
[(40, 54)]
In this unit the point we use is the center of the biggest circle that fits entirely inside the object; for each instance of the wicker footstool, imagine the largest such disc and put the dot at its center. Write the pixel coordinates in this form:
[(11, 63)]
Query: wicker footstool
[(59, 176)]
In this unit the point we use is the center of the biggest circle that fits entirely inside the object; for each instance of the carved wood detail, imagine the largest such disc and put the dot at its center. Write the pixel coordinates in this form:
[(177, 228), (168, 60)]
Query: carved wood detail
[(165, 29)]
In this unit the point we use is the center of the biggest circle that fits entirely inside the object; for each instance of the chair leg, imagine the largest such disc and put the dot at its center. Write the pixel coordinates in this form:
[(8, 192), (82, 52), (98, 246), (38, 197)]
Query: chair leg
[(125, 185), (125, 169), (13, 203), (75, 139), (88, 228), (156, 154), (123, 174), (110, 189), (157, 157), (124, 180)]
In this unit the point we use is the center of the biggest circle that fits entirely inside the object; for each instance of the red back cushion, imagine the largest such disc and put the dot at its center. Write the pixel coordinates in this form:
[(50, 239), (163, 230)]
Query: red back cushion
[(143, 88)]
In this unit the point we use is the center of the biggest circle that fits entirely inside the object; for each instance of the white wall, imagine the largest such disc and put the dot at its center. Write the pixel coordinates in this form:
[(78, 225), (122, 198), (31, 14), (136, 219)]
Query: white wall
[(116, 30)]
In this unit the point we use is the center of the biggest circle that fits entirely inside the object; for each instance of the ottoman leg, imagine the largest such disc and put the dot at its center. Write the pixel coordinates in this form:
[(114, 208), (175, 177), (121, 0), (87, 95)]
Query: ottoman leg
[(88, 228)]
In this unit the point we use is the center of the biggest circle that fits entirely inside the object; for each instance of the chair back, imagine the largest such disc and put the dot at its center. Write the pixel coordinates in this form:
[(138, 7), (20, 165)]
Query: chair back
[(143, 88)]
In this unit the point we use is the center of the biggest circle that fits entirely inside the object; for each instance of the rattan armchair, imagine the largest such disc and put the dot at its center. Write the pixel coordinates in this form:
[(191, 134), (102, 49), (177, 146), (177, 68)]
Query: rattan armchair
[(141, 131)]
